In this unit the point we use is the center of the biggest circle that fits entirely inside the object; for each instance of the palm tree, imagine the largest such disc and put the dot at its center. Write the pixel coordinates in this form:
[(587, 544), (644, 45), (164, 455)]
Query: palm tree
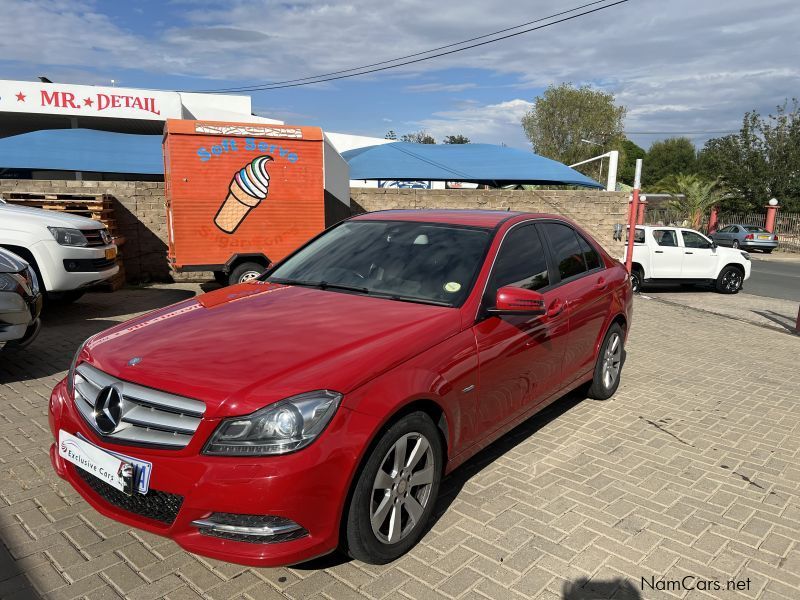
[(691, 194)]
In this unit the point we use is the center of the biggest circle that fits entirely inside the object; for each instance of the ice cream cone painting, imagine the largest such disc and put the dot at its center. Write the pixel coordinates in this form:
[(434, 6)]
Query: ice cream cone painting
[(249, 186)]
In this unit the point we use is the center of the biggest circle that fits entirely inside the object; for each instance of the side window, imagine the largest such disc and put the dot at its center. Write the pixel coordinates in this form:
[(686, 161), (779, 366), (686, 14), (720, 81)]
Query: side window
[(638, 236), (665, 237), (565, 248), (590, 255), (727, 229), (521, 262), (694, 240), (734, 229)]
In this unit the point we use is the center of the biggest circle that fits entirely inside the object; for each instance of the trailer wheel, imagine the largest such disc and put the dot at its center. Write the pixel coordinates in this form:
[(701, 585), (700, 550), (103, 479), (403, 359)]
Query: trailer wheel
[(245, 272)]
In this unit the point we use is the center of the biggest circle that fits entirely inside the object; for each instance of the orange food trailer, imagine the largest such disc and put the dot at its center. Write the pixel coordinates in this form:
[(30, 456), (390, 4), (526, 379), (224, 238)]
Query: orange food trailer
[(241, 196)]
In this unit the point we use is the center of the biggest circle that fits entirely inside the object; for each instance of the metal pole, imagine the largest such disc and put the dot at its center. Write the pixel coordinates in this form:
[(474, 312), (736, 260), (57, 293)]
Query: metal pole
[(632, 217)]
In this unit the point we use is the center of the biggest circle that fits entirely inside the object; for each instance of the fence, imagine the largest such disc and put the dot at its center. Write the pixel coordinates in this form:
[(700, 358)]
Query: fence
[(787, 225)]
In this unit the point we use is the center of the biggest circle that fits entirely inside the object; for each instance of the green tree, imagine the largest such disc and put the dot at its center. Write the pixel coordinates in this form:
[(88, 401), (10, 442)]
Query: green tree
[(390, 135), (691, 194), (456, 139), (628, 153), (570, 124), (669, 157), (419, 137), (760, 162)]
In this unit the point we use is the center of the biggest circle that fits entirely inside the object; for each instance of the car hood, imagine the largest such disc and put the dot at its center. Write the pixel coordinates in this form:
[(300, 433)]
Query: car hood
[(48, 218), (243, 347)]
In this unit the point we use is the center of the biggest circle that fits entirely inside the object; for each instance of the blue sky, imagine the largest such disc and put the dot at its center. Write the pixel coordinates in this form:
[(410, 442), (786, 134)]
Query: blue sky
[(679, 66)]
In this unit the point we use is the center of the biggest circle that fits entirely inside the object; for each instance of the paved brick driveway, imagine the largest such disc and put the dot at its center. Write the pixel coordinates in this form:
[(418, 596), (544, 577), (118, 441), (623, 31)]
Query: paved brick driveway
[(693, 468)]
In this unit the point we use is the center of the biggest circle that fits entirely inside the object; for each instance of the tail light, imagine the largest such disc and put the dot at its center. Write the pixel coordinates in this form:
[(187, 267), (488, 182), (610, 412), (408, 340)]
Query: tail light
[(749, 236), (775, 237)]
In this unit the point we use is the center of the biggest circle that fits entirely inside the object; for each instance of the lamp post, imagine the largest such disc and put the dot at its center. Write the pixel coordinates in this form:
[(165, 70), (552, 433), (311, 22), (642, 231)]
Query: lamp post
[(633, 215)]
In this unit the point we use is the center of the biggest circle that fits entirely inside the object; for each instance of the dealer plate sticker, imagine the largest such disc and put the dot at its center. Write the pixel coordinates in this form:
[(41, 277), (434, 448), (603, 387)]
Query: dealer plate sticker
[(122, 472)]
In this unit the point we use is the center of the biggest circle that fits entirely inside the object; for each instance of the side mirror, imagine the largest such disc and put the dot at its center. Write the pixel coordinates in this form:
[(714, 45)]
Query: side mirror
[(517, 301)]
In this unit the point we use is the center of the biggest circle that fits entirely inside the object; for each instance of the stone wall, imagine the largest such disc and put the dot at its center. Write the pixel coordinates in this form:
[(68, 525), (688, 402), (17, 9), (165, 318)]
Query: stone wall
[(141, 219), (595, 211)]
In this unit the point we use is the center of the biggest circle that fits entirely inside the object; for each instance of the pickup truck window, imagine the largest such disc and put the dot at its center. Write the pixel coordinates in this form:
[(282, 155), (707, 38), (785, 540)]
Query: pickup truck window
[(694, 240), (566, 250), (665, 237), (520, 263)]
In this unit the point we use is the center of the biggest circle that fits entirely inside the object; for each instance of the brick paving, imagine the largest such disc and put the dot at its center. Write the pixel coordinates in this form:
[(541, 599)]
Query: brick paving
[(693, 468)]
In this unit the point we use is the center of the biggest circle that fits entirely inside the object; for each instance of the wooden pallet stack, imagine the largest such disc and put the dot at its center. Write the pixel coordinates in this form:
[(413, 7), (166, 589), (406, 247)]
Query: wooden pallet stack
[(99, 207)]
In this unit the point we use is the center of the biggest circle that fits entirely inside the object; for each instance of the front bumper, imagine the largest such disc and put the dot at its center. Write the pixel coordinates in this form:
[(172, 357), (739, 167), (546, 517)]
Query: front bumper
[(66, 268), (19, 317), (308, 487)]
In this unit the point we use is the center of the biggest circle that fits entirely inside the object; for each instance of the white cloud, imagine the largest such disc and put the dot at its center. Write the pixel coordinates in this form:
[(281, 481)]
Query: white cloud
[(493, 123)]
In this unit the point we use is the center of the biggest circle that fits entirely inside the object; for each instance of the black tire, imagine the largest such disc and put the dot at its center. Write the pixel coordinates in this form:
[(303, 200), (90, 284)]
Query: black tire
[(244, 272), (600, 388), (637, 276), (729, 280), (360, 540), (65, 297), (768, 250), (735, 244)]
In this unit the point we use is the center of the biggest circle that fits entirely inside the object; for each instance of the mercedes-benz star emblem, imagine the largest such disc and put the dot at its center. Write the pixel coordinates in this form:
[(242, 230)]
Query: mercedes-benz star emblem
[(108, 409)]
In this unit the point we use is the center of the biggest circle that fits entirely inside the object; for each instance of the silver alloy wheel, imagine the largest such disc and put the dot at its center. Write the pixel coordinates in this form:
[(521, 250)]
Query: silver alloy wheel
[(735, 244), (248, 276), (731, 281), (612, 360), (402, 488)]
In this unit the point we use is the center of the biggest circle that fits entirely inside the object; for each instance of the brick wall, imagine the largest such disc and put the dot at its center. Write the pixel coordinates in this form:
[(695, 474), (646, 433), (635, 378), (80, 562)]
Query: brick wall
[(595, 211), (139, 211)]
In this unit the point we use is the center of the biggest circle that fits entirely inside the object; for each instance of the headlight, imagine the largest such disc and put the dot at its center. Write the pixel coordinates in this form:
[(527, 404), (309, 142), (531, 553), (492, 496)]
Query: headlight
[(282, 427), (8, 283), (24, 283), (71, 372), (746, 255), (67, 236)]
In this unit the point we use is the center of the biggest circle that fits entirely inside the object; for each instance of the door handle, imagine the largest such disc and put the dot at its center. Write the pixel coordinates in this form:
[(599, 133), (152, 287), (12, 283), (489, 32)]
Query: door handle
[(688, 252), (600, 284), (659, 252), (556, 306)]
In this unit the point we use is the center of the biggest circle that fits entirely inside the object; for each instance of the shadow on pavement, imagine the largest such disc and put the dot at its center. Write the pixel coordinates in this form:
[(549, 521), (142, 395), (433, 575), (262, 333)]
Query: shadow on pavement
[(453, 483), (784, 321), (585, 589), (13, 581)]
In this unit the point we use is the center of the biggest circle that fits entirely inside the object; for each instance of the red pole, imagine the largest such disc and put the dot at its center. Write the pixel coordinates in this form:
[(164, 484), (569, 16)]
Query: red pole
[(772, 211), (632, 215), (713, 219), (642, 210)]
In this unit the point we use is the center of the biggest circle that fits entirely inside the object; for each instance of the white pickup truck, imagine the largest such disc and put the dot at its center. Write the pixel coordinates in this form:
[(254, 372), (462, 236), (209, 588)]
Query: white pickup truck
[(678, 255), (68, 253)]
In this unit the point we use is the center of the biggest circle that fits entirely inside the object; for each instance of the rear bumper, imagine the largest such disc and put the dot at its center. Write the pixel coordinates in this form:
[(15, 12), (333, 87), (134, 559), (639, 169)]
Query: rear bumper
[(759, 244), (309, 487)]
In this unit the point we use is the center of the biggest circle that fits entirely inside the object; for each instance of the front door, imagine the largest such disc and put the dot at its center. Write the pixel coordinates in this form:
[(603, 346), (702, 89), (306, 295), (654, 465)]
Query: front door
[(519, 357), (666, 256), (699, 256)]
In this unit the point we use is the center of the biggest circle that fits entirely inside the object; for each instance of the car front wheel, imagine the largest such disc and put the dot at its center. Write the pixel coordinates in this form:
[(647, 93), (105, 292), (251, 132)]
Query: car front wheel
[(395, 492), (729, 280)]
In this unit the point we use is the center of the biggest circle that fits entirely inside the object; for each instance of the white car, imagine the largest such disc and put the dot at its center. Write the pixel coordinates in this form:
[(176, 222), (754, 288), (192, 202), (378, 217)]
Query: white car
[(678, 255), (68, 253)]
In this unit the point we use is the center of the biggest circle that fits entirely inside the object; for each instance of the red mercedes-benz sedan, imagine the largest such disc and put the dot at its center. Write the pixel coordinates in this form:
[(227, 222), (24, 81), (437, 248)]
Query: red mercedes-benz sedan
[(320, 405)]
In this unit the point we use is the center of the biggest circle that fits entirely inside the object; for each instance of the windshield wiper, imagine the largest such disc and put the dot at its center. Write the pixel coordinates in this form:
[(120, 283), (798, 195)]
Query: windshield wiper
[(322, 285), (413, 299)]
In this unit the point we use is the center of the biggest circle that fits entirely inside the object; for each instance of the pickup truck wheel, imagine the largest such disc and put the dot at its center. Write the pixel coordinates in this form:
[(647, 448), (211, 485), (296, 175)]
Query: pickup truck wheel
[(395, 492), (609, 364), (636, 279), (729, 280), (245, 272)]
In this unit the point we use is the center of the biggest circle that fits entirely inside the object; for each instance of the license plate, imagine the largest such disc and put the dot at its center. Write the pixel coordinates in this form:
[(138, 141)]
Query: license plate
[(111, 253), (125, 473), (764, 237)]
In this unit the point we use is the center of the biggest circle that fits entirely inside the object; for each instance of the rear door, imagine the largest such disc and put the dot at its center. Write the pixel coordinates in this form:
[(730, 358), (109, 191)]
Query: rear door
[(666, 255), (584, 286), (699, 257)]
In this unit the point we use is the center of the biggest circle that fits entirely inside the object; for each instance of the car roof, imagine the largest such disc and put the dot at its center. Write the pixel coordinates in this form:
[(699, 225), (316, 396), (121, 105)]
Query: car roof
[(475, 218)]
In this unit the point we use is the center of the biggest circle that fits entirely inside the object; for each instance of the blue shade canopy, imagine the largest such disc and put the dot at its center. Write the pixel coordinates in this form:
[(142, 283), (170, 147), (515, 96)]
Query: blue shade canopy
[(479, 163), (83, 150)]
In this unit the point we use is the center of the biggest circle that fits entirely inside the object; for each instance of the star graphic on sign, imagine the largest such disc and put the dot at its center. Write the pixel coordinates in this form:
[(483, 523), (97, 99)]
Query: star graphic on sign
[(87, 101), (20, 97)]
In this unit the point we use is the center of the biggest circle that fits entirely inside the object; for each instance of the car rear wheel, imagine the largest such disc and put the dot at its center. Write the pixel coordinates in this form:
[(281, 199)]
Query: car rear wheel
[(395, 492), (729, 280), (735, 244), (608, 369)]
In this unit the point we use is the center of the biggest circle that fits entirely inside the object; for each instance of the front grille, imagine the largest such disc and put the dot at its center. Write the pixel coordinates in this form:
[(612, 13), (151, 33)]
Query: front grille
[(87, 265), (146, 416), (94, 237), (156, 505)]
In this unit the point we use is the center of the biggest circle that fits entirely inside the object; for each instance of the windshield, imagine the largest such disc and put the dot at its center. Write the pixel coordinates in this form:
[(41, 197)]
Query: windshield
[(423, 262)]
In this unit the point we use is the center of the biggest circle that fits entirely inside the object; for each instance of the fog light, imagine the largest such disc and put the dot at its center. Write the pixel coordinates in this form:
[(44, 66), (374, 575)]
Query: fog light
[(256, 529)]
